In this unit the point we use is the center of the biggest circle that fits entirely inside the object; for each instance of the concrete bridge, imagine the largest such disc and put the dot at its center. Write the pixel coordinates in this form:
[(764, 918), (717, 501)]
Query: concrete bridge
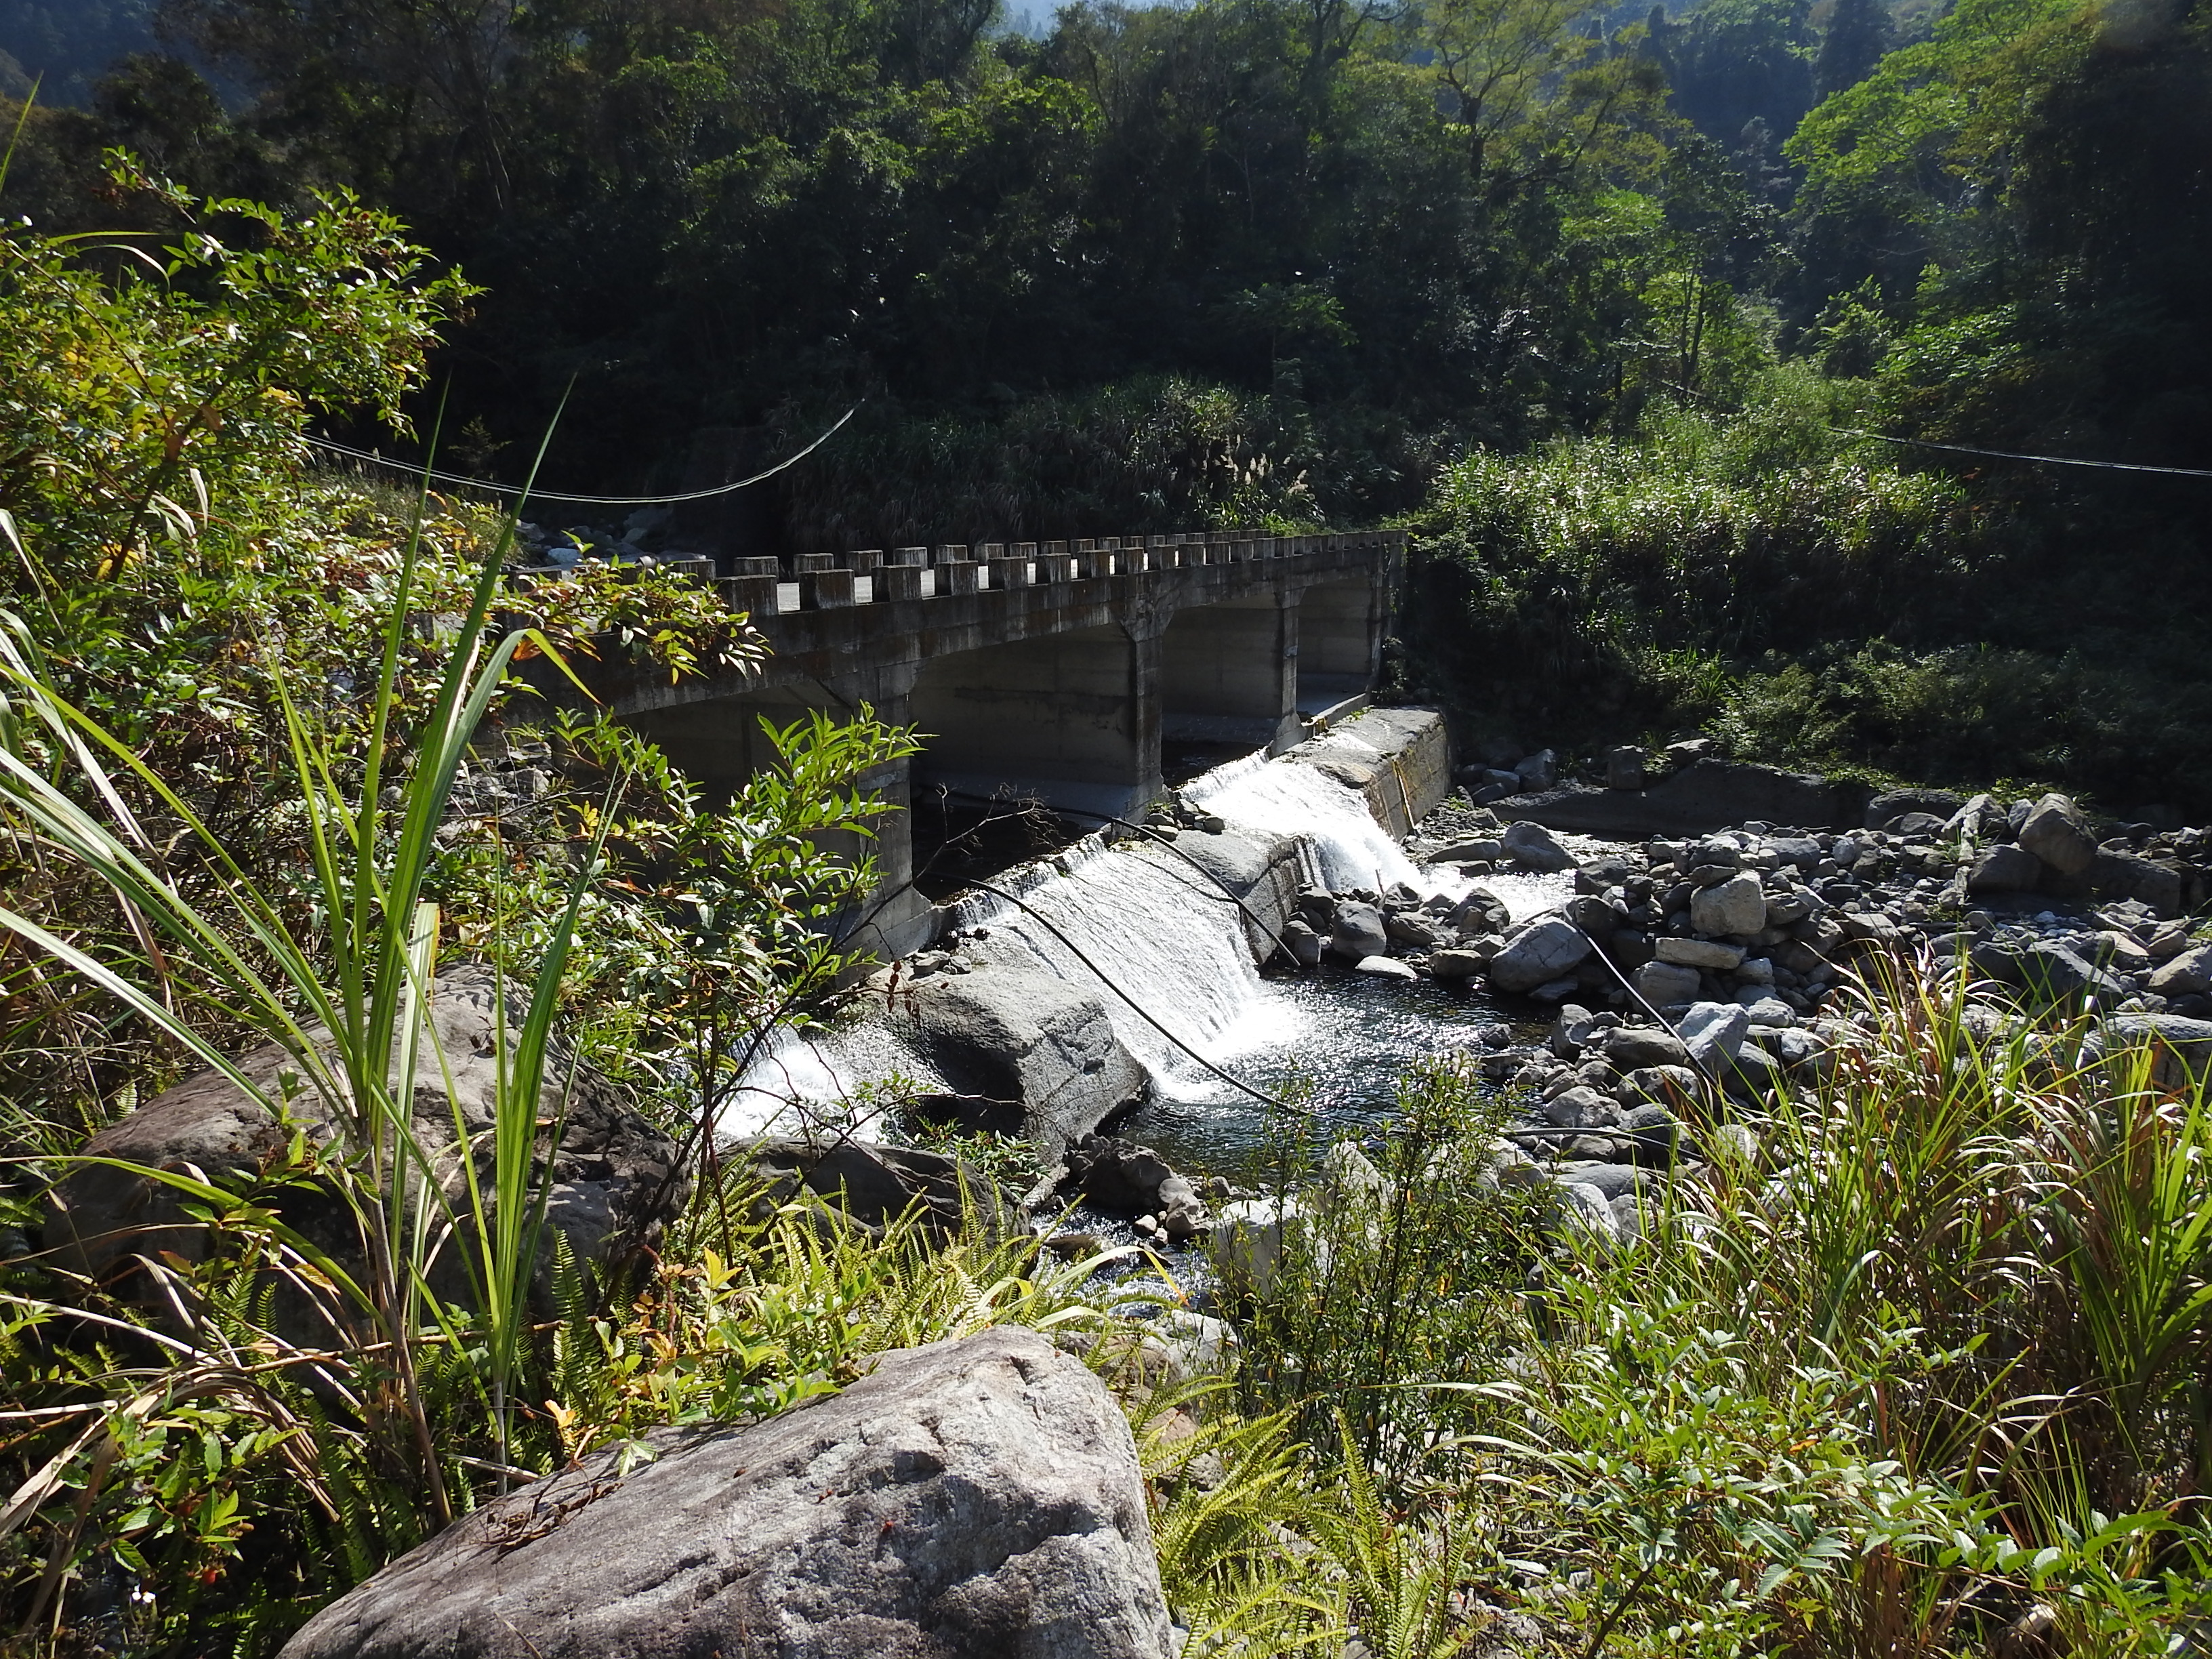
[(1047, 671)]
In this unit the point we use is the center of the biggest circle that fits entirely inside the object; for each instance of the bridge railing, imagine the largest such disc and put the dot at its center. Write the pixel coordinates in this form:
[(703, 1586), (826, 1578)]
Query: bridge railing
[(825, 581)]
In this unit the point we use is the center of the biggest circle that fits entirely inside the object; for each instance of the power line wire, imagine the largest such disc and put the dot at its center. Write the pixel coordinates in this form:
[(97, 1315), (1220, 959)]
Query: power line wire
[(522, 492), (2010, 455)]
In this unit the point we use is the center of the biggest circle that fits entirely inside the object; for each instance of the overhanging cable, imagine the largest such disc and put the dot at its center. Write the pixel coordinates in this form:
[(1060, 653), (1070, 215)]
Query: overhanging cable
[(2041, 460), (458, 482)]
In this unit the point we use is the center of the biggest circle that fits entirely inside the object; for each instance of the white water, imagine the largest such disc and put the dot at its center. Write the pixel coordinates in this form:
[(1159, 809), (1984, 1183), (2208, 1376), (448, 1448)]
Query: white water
[(1162, 935)]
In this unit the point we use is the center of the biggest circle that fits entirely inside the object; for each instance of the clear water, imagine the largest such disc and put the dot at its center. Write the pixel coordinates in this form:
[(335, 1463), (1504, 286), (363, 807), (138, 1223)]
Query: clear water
[(1148, 932)]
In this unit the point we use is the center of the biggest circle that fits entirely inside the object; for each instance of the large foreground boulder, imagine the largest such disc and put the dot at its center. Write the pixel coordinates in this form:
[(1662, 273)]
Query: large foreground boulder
[(1026, 1050), (615, 1177), (968, 1500)]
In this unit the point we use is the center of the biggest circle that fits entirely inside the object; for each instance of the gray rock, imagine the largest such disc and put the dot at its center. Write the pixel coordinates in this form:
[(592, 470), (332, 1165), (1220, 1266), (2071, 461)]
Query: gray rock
[(1261, 869), (2050, 970), (1633, 1047), (1612, 1180), (2153, 883), (1042, 1049), (2188, 974), (1457, 965), (1665, 984), (1480, 912), (1533, 845), (2058, 832), (1713, 1033), (1409, 930), (1538, 771), (873, 1185), (1581, 1108), (1665, 1084), (1624, 768), (1734, 905), (1886, 808), (1304, 945), (969, 1497), (2181, 1048), (1383, 967), (1486, 850), (1122, 1178), (1583, 1209), (2004, 868), (1537, 954), (616, 1180), (1697, 953), (1357, 932)]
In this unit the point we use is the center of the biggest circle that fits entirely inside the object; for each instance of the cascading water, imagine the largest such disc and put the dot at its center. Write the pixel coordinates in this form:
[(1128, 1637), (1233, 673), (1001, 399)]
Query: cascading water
[(1159, 933)]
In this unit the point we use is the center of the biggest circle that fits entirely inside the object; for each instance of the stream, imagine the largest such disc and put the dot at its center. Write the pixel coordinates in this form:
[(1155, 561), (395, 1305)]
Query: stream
[(1170, 939)]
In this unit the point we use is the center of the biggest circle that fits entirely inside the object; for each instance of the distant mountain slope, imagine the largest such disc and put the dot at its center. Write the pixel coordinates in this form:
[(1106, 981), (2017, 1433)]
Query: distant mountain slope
[(66, 44)]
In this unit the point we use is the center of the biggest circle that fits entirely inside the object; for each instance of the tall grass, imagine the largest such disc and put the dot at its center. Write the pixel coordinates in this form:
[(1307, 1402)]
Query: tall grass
[(344, 998)]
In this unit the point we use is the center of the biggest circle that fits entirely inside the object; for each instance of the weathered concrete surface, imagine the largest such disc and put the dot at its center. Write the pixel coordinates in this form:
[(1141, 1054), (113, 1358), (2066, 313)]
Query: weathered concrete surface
[(1399, 758), (968, 1499), (1261, 870)]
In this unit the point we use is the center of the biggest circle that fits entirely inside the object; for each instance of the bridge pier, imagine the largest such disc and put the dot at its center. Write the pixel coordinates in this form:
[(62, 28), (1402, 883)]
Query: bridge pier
[(1341, 629), (1071, 720), (722, 746), (1229, 672)]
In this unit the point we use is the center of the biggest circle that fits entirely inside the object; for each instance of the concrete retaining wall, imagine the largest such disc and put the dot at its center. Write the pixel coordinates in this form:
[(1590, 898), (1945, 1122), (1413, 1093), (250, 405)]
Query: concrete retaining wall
[(1399, 758)]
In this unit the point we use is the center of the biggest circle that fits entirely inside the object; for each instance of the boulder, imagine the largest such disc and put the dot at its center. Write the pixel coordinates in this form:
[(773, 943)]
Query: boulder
[(1666, 984), (1633, 1047), (1624, 767), (2004, 868), (1891, 805), (1409, 930), (1041, 1051), (2153, 883), (1457, 965), (2053, 970), (616, 1180), (2188, 974), (972, 1496), (1533, 846), (1125, 1178), (2181, 1048), (874, 1185), (2058, 832), (1538, 954), (1486, 850), (1305, 946), (1357, 932), (1261, 869), (1713, 1034), (1734, 905), (1538, 771), (1480, 912), (1698, 953), (1705, 795), (1383, 967)]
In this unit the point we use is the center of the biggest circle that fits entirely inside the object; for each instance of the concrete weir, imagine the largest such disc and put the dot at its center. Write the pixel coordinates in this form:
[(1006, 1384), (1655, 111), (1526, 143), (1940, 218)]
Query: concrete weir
[(1046, 671)]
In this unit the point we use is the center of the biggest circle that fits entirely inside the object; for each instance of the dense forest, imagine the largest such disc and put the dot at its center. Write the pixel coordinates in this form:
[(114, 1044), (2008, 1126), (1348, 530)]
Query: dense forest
[(1294, 263)]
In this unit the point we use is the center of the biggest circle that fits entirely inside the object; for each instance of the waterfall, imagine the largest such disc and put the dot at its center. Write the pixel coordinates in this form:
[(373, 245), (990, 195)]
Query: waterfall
[(1155, 927), (1157, 930), (1291, 800)]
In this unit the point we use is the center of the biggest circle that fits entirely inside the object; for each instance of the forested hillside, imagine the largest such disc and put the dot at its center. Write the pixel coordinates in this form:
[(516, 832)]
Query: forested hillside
[(1291, 262)]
